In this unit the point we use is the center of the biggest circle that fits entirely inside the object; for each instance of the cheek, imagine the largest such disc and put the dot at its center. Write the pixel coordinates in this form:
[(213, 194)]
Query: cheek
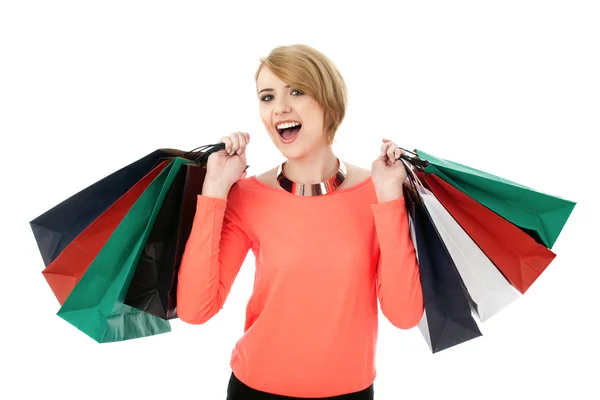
[(313, 120), (266, 120), (313, 112)]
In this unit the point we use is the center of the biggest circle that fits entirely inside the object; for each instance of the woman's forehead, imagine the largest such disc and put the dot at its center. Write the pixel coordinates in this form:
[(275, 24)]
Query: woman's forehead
[(267, 79)]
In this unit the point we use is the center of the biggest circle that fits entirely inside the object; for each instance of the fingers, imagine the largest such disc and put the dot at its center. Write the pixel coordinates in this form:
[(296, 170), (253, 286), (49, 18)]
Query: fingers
[(390, 149), (240, 142), (245, 139), (227, 141), (397, 154), (384, 148), (236, 142)]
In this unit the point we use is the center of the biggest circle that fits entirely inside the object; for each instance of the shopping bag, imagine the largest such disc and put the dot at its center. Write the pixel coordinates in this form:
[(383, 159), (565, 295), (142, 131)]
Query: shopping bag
[(488, 289), (95, 306), (56, 228), (154, 284), (447, 319), (66, 270), (540, 215), (517, 255)]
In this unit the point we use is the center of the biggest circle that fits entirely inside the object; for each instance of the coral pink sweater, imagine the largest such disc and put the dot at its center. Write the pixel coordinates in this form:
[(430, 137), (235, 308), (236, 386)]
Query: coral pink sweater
[(321, 263)]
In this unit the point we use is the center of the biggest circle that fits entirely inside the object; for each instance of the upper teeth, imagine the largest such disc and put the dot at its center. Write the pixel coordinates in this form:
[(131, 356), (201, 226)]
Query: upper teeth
[(287, 125)]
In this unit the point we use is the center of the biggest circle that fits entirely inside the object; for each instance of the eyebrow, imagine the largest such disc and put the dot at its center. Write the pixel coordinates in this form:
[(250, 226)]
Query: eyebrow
[(269, 89)]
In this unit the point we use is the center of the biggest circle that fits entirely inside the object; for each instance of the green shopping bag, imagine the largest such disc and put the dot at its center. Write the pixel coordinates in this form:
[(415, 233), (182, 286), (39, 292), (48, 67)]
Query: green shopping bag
[(95, 306), (540, 215)]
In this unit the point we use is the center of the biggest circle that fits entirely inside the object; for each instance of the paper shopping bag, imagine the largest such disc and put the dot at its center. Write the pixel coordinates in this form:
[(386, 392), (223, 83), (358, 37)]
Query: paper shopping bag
[(95, 306)]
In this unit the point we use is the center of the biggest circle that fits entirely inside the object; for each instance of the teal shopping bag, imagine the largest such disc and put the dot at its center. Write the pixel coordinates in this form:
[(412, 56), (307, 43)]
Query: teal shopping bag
[(540, 215), (95, 306)]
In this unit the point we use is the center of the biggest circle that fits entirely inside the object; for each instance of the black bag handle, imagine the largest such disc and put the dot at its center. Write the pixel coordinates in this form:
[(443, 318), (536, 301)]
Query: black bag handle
[(415, 160), (411, 180), (206, 151)]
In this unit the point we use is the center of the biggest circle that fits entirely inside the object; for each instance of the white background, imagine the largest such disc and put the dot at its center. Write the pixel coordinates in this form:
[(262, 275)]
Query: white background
[(508, 87)]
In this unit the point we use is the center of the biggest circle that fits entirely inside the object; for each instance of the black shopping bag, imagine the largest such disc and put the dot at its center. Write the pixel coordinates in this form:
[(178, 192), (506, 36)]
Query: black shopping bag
[(447, 320), (153, 288)]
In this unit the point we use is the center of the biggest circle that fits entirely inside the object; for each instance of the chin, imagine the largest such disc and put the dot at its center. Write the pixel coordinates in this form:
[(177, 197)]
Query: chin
[(292, 153)]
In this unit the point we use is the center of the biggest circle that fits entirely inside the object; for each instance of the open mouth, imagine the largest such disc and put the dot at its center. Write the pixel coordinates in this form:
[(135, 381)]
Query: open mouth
[(289, 133)]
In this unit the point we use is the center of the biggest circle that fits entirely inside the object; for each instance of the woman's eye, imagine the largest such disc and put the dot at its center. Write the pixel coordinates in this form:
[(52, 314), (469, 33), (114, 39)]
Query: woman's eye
[(264, 98)]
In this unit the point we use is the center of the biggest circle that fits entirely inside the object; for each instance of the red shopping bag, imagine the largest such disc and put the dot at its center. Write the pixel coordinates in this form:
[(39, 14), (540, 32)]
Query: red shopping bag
[(66, 270), (516, 254)]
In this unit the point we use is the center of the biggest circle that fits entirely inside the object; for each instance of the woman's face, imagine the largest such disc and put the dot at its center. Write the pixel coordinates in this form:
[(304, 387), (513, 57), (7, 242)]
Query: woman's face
[(279, 102)]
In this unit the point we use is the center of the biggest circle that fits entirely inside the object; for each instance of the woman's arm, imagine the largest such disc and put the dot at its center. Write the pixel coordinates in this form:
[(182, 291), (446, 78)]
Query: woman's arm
[(398, 281), (213, 256)]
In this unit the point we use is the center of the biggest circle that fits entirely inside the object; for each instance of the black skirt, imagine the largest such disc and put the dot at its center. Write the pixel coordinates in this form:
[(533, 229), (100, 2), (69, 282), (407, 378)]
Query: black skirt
[(237, 390)]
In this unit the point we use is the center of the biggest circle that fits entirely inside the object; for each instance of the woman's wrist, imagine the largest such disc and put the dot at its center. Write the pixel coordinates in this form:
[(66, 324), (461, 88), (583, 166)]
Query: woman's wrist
[(215, 188)]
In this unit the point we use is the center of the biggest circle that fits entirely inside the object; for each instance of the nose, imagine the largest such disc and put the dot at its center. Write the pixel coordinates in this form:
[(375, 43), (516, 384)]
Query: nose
[(281, 106)]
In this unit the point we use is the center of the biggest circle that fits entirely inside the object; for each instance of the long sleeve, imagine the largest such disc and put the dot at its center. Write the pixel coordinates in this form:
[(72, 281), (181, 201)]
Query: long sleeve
[(213, 256), (398, 281)]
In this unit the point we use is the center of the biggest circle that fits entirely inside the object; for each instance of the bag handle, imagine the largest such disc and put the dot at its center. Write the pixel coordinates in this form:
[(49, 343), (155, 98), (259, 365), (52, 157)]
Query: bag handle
[(414, 181), (208, 150), (414, 160)]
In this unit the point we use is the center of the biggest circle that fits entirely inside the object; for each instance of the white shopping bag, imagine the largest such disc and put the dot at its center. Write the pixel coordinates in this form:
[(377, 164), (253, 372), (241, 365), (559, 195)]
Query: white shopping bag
[(486, 286)]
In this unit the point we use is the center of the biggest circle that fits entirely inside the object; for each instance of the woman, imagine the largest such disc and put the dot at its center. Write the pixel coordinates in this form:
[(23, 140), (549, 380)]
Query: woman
[(329, 239)]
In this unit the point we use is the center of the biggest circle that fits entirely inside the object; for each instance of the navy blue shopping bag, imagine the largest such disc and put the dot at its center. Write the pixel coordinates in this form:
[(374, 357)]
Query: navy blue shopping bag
[(447, 320), (59, 226)]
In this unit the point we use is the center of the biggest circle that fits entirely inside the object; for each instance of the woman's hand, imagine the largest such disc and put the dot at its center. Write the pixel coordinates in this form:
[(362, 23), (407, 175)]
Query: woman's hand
[(388, 173), (226, 166)]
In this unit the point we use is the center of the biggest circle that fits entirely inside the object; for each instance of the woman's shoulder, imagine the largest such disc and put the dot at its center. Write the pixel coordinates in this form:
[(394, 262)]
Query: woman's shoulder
[(356, 175), (268, 178)]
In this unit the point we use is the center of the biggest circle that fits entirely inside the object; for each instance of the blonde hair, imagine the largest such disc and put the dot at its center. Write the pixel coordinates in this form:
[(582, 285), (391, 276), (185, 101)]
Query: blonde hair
[(313, 73)]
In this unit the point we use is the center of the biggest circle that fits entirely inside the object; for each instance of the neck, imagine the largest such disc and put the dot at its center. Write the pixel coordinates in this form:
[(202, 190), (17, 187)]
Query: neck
[(315, 167)]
